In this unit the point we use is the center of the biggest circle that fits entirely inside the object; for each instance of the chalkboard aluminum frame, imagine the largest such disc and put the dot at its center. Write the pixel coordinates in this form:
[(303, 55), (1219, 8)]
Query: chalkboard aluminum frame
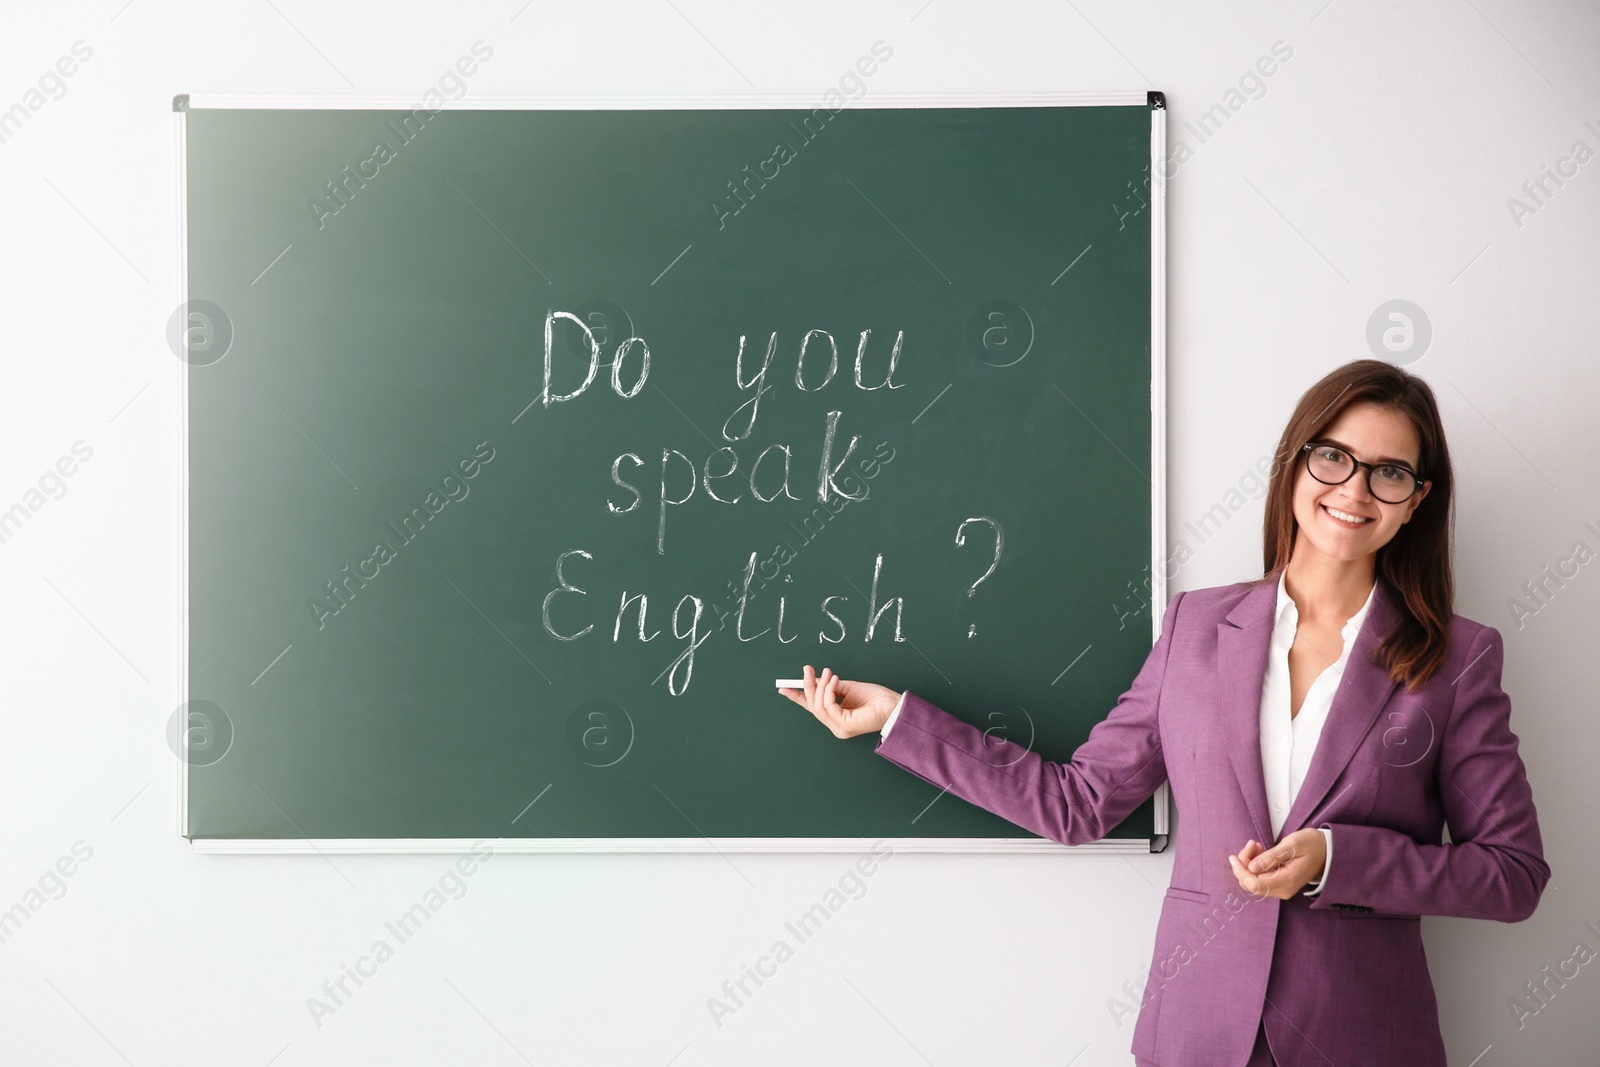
[(1158, 578)]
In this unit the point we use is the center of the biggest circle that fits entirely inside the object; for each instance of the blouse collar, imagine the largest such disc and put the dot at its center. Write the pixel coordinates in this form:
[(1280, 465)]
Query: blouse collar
[(1287, 616)]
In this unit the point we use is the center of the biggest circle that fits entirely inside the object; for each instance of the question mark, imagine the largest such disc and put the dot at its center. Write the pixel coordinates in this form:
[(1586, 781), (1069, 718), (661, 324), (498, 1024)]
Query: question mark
[(999, 546)]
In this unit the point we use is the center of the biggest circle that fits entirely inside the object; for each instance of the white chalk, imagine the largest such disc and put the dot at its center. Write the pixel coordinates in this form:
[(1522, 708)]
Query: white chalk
[(792, 683)]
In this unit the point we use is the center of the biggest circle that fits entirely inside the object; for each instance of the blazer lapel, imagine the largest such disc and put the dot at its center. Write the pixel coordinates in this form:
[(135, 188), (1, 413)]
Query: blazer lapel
[(1357, 703), (1243, 637)]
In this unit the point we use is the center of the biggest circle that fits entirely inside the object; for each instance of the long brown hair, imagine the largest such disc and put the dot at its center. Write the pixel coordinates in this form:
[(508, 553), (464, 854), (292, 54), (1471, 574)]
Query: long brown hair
[(1415, 565)]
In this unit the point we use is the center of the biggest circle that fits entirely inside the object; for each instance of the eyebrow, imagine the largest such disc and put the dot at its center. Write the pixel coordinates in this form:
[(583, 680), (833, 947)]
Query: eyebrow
[(1381, 459)]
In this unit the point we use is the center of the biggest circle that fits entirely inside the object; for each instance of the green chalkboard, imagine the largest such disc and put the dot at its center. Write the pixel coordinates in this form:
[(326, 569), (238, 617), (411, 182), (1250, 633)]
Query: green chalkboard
[(418, 495)]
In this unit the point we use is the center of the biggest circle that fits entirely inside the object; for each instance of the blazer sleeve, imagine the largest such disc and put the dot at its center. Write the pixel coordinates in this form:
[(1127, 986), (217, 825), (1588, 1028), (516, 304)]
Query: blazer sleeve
[(1116, 768), (1493, 867)]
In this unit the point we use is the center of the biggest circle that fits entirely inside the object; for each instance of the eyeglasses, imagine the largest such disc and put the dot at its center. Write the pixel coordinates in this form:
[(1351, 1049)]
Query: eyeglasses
[(1388, 482)]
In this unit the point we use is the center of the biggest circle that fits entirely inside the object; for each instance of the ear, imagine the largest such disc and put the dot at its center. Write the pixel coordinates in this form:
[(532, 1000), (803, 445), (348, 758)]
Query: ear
[(1417, 500)]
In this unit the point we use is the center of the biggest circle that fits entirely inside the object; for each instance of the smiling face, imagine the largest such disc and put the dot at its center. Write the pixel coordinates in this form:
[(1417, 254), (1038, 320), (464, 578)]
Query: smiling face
[(1371, 434)]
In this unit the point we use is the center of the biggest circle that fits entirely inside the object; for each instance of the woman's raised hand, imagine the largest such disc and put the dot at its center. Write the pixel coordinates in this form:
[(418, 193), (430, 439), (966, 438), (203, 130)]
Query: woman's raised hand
[(846, 708)]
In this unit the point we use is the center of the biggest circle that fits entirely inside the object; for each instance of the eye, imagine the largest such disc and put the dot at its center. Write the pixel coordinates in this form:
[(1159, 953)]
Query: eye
[(1329, 453), (1394, 474)]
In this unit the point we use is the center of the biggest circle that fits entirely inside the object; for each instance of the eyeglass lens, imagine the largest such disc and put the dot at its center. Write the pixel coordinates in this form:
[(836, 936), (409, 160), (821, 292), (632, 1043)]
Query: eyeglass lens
[(1390, 484)]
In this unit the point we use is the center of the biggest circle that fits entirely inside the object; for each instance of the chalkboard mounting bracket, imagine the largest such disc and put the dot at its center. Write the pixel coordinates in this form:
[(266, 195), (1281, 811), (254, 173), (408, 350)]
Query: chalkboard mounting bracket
[(1157, 100)]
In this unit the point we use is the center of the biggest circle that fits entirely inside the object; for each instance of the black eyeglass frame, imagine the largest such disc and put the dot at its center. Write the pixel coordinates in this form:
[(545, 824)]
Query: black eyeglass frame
[(1416, 476)]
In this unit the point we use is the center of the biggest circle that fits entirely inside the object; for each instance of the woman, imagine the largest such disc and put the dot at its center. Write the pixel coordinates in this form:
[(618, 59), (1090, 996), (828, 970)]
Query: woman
[(1329, 720)]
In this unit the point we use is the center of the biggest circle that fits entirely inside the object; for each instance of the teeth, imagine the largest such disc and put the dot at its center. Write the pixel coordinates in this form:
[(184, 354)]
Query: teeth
[(1346, 516)]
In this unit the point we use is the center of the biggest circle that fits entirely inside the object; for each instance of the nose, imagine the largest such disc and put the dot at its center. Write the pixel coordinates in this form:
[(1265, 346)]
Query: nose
[(1356, 487)]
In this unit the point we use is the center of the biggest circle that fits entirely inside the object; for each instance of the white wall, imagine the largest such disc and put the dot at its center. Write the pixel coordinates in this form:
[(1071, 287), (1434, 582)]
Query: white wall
[(1377, 165)]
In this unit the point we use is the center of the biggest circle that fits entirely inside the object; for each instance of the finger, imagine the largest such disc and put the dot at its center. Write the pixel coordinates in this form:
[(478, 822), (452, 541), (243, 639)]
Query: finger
[(1250, 883), (1242, 873), (798, 696), (1286, 854), (830, 696), (826, 709), (1269, 860), (847, 693), (808, 681), (815, 707), (819, 680), (1275, 880), (1280, 883), (1247, 881)]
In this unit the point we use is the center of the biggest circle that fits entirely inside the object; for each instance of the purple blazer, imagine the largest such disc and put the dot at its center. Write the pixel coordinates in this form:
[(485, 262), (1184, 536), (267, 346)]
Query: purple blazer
[(1340, 978)]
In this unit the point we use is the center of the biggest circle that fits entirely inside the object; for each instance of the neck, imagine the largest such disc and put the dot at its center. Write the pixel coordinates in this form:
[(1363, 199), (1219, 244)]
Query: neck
[(1327, 590)]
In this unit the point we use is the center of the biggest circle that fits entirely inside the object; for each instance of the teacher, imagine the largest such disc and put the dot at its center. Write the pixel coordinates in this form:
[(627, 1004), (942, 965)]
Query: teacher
[(1329, 720)]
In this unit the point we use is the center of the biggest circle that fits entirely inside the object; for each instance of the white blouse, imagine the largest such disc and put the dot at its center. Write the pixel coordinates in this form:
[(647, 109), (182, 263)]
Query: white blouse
[(1287, 744)]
